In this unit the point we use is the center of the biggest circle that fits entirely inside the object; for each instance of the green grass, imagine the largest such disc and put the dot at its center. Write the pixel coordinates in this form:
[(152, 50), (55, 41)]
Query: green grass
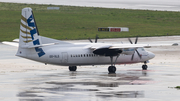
[(82, 22), (178, 87)]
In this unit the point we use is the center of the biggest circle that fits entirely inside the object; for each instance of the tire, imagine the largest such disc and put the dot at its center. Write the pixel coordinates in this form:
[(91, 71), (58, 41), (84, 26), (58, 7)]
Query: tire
[(72, 68), (112, 69), (144, 67)]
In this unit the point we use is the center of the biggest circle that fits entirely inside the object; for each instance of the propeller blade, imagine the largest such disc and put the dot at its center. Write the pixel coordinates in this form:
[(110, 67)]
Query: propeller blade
[(132, 57), (138, 54), (136, 40), (130, 40), (96, 38), (135, 49), (90, 40)]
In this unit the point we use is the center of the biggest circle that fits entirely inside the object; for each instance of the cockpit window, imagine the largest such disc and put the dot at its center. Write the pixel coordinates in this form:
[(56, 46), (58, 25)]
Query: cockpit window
[(131, 49), (142, 49), (128, 49)]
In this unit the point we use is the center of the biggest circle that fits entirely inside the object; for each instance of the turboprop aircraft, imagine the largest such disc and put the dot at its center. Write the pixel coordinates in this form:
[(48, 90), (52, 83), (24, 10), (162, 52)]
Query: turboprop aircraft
[(51, 51)]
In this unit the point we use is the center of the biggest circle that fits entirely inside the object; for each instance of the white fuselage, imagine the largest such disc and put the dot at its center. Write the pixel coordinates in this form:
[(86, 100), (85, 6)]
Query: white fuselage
[(79, 54)]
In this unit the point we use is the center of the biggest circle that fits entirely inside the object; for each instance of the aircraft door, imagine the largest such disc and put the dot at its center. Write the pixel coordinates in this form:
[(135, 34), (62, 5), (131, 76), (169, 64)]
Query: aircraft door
[(64, 57)]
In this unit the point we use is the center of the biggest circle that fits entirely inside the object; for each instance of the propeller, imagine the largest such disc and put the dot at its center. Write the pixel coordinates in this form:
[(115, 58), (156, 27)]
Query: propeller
[(90, 40), (95, 39), (135, 49)]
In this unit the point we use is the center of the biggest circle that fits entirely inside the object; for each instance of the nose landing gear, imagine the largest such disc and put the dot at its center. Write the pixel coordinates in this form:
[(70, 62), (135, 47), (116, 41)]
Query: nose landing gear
[(144, 67)]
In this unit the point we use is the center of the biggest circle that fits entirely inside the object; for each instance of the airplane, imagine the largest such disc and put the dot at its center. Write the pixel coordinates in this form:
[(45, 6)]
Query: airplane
[(51, 51)]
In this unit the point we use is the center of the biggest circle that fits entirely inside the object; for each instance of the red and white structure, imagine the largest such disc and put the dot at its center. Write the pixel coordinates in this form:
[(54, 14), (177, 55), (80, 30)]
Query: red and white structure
[(113, 29)]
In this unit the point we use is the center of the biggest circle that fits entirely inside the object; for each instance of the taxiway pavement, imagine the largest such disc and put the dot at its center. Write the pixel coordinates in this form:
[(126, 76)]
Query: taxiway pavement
[(26, 80)]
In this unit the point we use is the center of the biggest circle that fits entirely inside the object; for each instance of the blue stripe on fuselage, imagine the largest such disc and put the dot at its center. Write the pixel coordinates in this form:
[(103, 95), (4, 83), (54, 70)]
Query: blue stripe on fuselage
[(40, 51)]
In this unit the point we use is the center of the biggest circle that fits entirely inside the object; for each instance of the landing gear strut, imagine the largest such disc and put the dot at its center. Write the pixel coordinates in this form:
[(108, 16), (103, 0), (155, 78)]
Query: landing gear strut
[(72, 68), (144, 67), (112, 68)]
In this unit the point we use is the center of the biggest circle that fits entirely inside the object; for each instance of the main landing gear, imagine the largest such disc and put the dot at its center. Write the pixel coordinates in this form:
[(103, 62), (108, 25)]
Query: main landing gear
[(112, 68), (144, 67), (72, 68)]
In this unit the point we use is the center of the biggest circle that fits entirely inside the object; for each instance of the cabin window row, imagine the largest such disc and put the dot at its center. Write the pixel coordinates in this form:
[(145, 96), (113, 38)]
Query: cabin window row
[(84, 55)]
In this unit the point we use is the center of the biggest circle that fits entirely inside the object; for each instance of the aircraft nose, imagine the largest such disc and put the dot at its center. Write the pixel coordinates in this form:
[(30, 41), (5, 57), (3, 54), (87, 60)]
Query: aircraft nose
[(151, 55)]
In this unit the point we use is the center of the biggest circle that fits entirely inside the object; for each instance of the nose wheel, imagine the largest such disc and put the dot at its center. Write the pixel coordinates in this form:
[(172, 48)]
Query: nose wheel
[(144, 67)]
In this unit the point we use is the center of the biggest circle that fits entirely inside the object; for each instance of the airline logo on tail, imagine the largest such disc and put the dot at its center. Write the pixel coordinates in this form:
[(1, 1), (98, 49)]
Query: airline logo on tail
[(29, 32), (28, 36)]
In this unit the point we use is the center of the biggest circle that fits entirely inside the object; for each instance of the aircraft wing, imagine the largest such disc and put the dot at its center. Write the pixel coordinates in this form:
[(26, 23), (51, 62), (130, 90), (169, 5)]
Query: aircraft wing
[(116, 49), (120, 46), (128, 46)]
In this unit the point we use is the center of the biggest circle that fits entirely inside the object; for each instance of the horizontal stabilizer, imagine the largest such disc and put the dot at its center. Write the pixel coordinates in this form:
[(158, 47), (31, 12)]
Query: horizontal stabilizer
[(11, 43), (46, 40)]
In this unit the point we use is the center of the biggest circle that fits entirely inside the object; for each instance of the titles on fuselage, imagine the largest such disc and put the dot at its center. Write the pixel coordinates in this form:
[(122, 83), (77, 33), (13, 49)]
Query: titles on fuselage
[(54, 56)]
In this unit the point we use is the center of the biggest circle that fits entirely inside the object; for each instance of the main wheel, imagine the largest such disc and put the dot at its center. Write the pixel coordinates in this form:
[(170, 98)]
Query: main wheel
[(144, 67), (72, 68), (112, 69)]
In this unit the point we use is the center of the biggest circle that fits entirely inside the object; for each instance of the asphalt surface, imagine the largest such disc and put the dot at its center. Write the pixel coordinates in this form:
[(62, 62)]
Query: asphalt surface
[(164, 5), (26, 80)]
